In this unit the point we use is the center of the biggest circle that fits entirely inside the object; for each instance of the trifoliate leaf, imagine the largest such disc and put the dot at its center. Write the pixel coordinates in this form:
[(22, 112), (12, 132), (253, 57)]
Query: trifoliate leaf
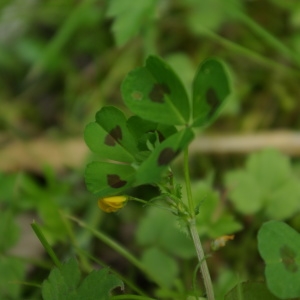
[(213, 220), (266, 183), (250, 291), (159, 228), (279, 246)]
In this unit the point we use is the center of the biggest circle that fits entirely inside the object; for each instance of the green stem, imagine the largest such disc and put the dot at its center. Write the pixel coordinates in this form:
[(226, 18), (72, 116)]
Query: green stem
[(32, 284), (202, 260), (114, 245), (107, 240), (83, 260), (194, 233), (248, 53), (188, 183), (126, 281), (268, 37), (153, 205), (45, 243)]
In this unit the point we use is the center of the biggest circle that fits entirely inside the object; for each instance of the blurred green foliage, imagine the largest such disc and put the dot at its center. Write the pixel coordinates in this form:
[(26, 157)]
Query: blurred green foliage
[(268, 183), (65, 283), (60, 61), (278, 245)]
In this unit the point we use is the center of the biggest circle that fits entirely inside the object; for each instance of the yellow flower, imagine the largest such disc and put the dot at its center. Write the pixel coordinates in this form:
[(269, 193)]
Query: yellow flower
[(112, 204)]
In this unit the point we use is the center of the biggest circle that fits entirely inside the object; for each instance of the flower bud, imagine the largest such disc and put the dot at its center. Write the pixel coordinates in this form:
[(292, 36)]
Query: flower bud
[(221, 242)]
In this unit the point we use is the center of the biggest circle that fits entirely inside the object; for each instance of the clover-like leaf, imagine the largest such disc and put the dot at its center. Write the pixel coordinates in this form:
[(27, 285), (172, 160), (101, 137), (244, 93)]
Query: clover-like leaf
[(109, 136), (155, 93), (137, 151), (279, 246), (250, 290), (208, 222), (211, 88), (65, 284), (152, 168), (159, 228), (106, 179), (267, 183)]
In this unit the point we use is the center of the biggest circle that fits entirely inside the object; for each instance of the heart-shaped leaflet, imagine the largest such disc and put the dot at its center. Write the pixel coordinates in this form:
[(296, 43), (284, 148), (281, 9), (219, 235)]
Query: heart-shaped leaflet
[(211, 89), (124, 164), (155, 93), (279, 246)]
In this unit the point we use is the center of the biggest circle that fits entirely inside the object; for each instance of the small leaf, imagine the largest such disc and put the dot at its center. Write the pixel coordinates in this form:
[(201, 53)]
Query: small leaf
[(109, 136), (106, 179), (98, 285), (269, 167), (250, 291), (64, 284), (155, 93), (183, 67), (61, 283), (208, 222), (159, 228), (279, 246), (53, 225), (161, 266), (245, 191), (159, 160), (210, 91)]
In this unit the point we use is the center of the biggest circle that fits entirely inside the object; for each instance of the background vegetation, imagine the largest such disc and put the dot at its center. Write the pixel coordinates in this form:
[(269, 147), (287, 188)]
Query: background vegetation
[(61, 61)]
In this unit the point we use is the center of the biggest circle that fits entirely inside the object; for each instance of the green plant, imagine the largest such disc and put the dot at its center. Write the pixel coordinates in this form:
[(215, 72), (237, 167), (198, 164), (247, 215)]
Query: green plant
[(139, 150), (279, 246), (62, 60), (260, 187)]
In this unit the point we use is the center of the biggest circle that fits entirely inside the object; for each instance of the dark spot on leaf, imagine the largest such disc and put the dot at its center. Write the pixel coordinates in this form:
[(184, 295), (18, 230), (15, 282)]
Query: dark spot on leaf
[(113, 136), (166, 156), (136, 95), (161, 138), (158, 91), (212, 100), (288, 256), (115, 181)]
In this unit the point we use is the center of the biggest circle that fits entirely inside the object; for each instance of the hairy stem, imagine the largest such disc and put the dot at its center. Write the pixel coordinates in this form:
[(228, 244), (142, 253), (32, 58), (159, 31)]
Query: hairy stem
[(202, 261), (194, 233), (188, 183)]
